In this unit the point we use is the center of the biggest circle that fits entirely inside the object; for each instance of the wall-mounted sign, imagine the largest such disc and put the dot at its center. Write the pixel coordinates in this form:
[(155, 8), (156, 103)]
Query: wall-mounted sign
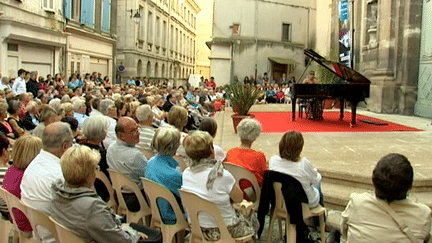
[(344, 34), (121, 68)]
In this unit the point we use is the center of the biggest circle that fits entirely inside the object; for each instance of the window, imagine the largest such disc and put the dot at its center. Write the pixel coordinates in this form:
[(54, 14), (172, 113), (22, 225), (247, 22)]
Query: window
[(172, 38), (48, 5), (150, 27), (176, 40), (141, 24), (157, 31), (87, 12), (106, 15), (286, 32), (12, 47), (164, 33), (75, 9), (236, 29)]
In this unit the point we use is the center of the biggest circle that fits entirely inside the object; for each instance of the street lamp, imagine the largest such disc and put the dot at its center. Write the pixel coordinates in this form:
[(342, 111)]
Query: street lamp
[(136, 16)]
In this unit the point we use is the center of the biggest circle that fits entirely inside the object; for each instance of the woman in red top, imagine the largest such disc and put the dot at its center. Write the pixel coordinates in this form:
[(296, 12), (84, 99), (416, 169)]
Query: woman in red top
[(24, 151), (254, 161), (211, 83)]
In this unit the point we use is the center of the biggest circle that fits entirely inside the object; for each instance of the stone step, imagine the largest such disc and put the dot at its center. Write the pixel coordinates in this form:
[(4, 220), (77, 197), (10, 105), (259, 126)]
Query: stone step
[(365, 181), (336, 196)]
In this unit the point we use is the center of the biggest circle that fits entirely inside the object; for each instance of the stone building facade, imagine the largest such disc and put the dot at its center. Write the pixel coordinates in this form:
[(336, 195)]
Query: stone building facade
[(161, 43), (204, 33), (31, 36), (386, 50), (254, 37), (423, 106), (90, 38)]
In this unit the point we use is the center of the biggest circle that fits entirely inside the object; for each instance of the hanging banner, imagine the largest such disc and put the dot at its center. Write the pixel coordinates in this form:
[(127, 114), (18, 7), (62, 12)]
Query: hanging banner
[(344, 34)]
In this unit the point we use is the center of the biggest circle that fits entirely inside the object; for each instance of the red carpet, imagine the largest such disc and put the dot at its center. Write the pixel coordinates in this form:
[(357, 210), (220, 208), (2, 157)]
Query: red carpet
[(280, 122)]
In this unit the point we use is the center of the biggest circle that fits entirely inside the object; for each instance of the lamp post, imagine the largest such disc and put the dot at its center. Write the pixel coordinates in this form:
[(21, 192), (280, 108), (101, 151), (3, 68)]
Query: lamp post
[(136, 16)]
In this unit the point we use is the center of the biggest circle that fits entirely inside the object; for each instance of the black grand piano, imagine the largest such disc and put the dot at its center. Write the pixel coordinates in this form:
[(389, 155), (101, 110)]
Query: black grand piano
[(351, 86)]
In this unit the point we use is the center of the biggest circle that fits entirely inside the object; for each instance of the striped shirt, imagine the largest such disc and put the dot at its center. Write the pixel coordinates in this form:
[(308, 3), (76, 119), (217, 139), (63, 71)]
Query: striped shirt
[(146, 137)]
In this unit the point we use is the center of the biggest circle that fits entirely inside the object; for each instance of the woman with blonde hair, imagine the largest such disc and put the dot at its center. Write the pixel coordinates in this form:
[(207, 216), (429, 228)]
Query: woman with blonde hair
[(162, 168), (178, 117), (77, 206), (207, 178), (24, 151)]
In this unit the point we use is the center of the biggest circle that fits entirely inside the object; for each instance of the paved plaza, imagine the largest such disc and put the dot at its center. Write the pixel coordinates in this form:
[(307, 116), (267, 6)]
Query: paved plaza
[(346, 160)]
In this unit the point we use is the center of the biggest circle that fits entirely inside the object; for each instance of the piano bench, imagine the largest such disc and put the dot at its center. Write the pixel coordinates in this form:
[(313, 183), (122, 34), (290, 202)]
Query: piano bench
[(302, 106)]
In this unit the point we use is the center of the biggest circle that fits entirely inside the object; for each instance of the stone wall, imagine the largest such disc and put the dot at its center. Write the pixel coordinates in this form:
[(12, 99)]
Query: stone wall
[(386, 47)]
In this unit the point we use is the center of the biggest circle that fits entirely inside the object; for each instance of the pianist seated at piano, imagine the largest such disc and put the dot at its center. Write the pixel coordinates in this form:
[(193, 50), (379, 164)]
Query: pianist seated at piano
[(314, 109)]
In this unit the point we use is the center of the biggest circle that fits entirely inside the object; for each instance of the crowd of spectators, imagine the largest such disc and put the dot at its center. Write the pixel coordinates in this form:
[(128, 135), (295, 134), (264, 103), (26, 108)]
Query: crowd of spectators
[(64, 133)]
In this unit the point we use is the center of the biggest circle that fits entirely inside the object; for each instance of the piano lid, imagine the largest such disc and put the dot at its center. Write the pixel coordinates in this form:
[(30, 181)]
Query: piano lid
[(337, 68)]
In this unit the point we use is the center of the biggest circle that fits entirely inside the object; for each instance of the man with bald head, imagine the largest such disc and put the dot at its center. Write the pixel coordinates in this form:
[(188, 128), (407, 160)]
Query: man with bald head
[(45, 167), (124, 157)]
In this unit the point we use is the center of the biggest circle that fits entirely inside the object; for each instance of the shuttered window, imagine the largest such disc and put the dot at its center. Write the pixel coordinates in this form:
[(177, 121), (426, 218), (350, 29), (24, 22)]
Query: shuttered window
[(106, 15), (286, 32), (48, 5), (87, 13)]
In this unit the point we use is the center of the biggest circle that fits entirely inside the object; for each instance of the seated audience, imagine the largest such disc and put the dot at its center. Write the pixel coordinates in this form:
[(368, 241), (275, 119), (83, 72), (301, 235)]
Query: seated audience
[(144, 115), (244, 156), (79, 112), (31, 118), (14, 121), (24, 151), (45, 167), (48, 115), (178, 117), (289, 162), (5, 127), (108, 109), (124, 157), (208, 124), (162, 168), (94, 131), (73, 123), (207, 178), (76, 206), (381, 217), (4, 166)]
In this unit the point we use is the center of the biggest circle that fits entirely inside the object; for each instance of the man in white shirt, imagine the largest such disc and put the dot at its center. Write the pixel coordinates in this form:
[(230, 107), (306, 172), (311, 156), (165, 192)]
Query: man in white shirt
[(45, 167), (95, 103), (19, 85), (108, 109)]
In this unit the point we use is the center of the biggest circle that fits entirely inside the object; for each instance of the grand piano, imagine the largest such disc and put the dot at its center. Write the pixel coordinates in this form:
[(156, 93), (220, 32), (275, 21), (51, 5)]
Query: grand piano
[(349, 86)]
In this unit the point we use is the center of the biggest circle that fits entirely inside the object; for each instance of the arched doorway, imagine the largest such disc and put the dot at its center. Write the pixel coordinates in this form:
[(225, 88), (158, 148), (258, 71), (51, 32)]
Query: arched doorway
[(163, 75), (139, 68), (148, 73), (156, 70)]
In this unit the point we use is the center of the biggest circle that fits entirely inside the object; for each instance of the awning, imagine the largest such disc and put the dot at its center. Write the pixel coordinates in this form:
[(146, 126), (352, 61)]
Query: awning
[(281, 60)]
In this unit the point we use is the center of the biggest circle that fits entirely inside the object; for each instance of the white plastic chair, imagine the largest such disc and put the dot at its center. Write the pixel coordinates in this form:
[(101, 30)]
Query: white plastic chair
[(64, 235), (241, 173), (39, 219), (194, 205), (15, 203), (169, 231), (280, 212), (111, 202), (119, 181)]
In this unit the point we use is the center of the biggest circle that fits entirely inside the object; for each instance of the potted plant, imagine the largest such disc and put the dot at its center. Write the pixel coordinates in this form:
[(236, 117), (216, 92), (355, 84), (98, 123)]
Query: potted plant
[(242, 98)]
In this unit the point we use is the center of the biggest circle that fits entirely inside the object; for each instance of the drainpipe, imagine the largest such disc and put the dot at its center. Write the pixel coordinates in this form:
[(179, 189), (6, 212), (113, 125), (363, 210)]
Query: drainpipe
[(308, 32)]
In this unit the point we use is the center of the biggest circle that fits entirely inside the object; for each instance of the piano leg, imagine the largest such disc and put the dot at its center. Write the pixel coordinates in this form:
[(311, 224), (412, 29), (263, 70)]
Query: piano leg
[(293, 105), (342, 105), (353, 112)]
